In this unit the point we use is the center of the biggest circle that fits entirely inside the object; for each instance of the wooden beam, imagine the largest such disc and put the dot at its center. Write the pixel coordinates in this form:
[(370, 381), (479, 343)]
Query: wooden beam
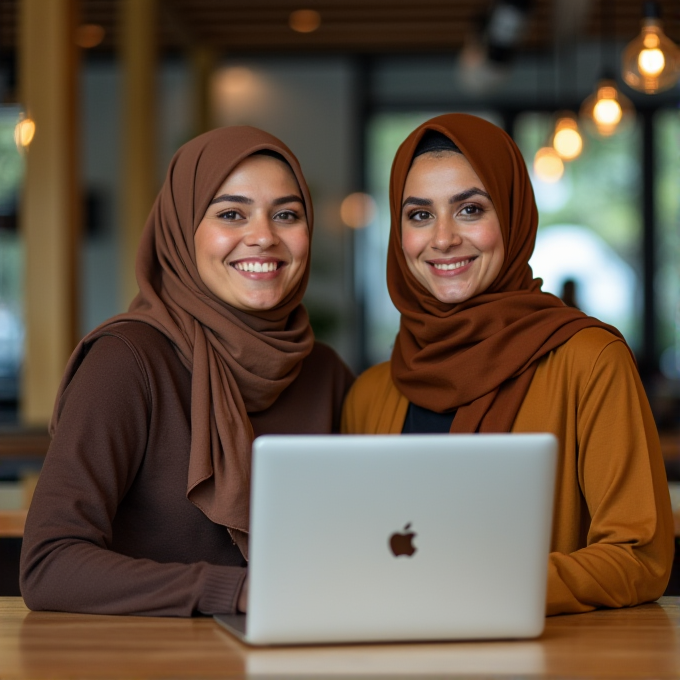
[(50, 214), (138, 51)]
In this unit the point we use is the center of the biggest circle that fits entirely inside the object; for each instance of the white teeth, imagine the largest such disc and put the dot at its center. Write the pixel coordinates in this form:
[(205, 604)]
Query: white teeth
[(256, 266), (455, 265)]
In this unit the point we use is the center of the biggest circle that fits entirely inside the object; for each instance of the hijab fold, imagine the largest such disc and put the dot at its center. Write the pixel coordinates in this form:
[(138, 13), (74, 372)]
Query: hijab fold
[(477, 357), (240, 362)]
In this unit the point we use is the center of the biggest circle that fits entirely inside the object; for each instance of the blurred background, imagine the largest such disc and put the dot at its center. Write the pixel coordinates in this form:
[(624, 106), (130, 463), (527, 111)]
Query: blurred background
[(97, 95)]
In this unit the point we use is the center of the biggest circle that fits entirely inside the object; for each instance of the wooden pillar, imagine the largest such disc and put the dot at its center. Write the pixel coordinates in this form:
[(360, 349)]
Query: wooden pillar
[(50, 210), (138, 51), (202, 66)]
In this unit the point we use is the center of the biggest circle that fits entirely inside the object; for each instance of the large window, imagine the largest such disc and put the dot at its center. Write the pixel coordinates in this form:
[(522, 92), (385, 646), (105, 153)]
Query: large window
[(11, 259), (667, 282), (590, 225)]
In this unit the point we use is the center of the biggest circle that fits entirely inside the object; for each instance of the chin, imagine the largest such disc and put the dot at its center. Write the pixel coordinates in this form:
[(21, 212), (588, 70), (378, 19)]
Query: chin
[(258, 304), (452, 297)]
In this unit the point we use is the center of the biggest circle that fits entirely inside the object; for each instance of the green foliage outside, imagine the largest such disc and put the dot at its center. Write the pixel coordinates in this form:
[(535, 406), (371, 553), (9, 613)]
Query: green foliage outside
[(11, 177), (668, 221), (11, 162), (604, 184)]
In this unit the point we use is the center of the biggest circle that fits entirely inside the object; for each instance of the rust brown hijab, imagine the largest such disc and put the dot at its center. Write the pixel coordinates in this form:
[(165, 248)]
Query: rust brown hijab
[(239, 362), (478, 356)]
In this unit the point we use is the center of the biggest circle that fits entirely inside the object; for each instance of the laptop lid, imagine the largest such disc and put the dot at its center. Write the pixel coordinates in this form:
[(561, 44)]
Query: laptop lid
[(398, 537)]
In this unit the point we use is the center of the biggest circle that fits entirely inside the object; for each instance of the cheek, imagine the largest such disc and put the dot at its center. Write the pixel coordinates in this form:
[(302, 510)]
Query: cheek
[(490, 240), (491, 243), (211, 241), (201, 246), (412, 242), (298, 245)]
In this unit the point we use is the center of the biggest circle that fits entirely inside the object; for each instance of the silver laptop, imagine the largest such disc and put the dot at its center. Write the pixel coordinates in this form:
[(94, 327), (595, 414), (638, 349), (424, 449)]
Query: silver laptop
[(398, 537)]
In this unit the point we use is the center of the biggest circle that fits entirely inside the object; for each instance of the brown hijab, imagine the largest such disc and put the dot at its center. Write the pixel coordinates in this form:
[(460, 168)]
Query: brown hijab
[(239, 362), (478, 356)]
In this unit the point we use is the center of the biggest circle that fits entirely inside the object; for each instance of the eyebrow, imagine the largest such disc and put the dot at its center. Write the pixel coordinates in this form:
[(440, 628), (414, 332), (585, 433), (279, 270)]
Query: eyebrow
[(287, 199), (232, 198), (468, 193), (456, 198)]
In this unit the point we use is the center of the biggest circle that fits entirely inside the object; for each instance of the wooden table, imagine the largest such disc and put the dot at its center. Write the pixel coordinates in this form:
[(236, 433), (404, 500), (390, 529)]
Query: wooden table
[(642, 642), (12, 523)]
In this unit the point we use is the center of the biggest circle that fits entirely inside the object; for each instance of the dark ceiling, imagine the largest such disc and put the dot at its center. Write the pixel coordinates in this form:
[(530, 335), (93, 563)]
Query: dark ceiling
[(356, 26)]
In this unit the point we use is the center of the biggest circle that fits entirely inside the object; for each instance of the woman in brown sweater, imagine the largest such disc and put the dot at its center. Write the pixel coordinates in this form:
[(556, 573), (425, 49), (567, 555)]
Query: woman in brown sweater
[(142, 504), (482, 349)]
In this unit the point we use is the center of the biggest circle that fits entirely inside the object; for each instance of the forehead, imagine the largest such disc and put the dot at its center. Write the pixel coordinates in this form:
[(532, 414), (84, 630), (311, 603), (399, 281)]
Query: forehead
[(259, 172), (432, 170)]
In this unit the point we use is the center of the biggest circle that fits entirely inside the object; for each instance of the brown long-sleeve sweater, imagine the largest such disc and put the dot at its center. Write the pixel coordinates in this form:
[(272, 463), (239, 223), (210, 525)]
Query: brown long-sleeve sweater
[(110, 529), (612, 539)]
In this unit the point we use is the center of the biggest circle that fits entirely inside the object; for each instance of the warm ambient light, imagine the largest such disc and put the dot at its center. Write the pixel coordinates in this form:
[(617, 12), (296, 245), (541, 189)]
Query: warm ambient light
[(651, 62), (236, 83), (358, 210), (304, 20), (567, 140), (548, 166), (24, 131), (89, 35), (606, 109)]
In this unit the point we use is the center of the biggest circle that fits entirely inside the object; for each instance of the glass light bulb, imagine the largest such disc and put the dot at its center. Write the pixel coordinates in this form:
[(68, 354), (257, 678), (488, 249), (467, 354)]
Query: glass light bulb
[(568, 144), (567, 140), (548, 166), (651, 62), (607, 112), (358, 210), (304, 20), (650, 39), (24, 131)]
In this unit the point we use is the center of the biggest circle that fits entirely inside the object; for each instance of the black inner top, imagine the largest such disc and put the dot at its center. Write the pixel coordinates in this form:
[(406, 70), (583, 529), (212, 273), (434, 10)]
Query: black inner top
[(421, 420)]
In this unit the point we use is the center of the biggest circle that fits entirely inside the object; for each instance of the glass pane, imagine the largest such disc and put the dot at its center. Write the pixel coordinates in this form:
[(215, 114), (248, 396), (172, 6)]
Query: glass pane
[(667, 284), (590, 224), (11, 259)]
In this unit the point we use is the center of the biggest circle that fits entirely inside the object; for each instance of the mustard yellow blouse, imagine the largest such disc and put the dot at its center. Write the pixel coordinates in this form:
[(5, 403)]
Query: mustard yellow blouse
[(612, 541)]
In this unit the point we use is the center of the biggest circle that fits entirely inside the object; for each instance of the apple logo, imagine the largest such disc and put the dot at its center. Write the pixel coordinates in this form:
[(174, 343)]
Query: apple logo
[(402, 544)]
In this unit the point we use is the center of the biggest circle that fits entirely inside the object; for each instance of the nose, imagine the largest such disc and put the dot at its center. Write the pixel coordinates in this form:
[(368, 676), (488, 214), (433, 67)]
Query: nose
[(446, 235), (261, 232)]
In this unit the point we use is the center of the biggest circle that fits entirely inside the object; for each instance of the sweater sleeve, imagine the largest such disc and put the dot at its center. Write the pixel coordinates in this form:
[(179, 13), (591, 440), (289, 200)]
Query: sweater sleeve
[(629, 544), (66, 562)]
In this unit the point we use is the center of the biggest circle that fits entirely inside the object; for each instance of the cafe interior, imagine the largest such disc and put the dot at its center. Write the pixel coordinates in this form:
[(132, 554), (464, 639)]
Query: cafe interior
[(96, 96)]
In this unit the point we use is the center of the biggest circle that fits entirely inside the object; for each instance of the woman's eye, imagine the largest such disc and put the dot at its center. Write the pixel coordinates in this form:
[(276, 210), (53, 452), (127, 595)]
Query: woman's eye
[(287, 216), (470, 210), (229, 215), (420, 215)]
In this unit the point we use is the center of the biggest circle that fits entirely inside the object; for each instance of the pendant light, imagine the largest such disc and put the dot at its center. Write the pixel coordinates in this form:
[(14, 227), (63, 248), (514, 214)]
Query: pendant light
[(24, 131), (651, 62), (607, 110), (566, 139), (548, 166)]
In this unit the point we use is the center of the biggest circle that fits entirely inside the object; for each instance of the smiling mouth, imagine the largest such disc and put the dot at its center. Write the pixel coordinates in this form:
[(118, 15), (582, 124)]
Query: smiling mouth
[(450, 266), (264, 267)]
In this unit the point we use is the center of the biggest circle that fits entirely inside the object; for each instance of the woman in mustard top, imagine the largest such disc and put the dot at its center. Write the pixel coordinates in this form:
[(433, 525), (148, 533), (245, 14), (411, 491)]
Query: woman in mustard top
[(482, 349)]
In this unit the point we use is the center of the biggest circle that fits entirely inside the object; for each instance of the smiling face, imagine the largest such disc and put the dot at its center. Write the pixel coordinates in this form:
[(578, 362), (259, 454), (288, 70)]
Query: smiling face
[(450, 233), (252, 244)]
